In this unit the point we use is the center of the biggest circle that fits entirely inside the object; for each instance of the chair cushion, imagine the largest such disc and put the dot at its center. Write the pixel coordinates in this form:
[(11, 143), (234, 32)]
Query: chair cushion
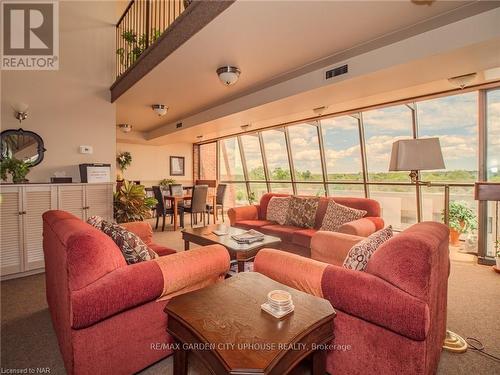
[(303, 237), (359, 255), (302, 211), (285, 232), (277, 209), (132, 247), (252, 224), (336, 215)]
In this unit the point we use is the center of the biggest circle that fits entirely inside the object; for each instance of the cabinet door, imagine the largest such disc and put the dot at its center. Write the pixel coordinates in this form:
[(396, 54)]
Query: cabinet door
[(72, 200), (11, 230), (99, 201), (36, 201)]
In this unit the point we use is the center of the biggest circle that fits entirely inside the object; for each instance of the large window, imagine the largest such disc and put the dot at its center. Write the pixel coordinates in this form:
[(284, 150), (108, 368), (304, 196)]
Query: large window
[(305, 152), (231, 168), (276, 154), (253, 157)]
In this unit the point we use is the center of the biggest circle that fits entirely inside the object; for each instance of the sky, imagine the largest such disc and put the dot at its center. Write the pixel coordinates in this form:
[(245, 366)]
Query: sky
[(453, 119)]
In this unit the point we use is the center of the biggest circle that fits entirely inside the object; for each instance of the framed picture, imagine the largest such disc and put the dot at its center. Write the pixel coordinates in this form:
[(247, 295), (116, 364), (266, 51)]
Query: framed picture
[(177, 166)]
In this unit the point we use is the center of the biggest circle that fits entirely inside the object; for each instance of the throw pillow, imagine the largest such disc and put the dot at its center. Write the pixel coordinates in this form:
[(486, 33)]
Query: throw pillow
[(337, 215), (132, 247), (95, 221), (302, 211), (277, 209), (359, 255)]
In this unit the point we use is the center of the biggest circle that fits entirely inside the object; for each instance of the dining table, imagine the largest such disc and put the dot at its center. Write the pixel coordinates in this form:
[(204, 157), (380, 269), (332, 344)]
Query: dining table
[(175, 199)]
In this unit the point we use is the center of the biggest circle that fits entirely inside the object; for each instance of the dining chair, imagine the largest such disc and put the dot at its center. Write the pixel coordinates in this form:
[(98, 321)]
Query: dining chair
[(198, 204), (219, 201), (162, 210)]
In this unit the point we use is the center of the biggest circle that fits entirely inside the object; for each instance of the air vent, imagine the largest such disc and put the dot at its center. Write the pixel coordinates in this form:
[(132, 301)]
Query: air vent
[(336, 71), (178, 125)]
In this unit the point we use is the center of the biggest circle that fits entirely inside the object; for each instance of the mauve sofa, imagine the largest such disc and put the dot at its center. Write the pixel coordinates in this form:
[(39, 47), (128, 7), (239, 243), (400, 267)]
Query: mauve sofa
[(104, 312), (391, 318), (298, 240)]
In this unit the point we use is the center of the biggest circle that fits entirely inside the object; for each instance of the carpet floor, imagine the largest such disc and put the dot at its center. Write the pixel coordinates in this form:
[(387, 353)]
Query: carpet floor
[(28, 340)]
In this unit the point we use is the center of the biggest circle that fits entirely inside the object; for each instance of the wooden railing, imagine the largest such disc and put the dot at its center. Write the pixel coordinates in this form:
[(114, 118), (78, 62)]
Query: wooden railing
[(141, 24)]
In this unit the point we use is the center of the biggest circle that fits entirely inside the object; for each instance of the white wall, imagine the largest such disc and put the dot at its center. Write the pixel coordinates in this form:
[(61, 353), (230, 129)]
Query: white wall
[(70, 107), (150, 164)]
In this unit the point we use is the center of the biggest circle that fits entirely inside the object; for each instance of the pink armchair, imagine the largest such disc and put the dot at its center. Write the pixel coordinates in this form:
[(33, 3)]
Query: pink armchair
[(104, 312), (298, 240), (391, 319)]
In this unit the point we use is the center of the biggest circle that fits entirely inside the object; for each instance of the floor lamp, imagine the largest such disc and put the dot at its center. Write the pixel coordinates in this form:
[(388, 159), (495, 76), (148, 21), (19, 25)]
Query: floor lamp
[(417, 155)]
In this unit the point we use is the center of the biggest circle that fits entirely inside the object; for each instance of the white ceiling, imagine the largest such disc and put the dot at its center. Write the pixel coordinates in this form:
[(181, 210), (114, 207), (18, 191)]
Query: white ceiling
[(264, 39)]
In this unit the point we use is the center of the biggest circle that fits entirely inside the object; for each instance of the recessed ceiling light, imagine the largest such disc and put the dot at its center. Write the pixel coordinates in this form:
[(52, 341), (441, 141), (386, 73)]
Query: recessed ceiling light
[(245, 127), (199, 137), (160, 109), (126, 128), (228, 75), (319, 110)]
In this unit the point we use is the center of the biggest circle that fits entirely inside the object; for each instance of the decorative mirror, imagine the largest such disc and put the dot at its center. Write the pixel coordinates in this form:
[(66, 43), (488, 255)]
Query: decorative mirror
[(22, 145)]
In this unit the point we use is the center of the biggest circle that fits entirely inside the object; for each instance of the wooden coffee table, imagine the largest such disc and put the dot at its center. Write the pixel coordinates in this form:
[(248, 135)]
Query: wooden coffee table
[(225, 327), (240, 252)]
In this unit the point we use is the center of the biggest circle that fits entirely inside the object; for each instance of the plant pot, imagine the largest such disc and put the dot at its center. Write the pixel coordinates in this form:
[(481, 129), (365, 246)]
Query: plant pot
[(454, 237)]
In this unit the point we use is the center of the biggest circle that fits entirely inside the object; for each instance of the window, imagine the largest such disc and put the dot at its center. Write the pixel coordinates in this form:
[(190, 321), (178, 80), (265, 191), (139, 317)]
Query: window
[(383, 127), (208, 161), (311, 189), (276, 155), (342, 149), (253, 157), (230, 165), (493, 131), (454, 120), (398, 204), (346, 190), (305, 152)]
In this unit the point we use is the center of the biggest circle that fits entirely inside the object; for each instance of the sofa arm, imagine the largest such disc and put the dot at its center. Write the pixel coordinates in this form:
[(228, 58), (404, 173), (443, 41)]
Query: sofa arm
[(362, 227), (243, 213), (374, 300), (193, 269), (332, 247), (117, 291), (290, 269), (142, 229)]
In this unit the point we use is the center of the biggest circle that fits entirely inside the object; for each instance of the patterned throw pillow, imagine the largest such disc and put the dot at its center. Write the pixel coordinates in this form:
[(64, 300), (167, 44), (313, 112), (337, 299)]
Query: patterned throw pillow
[(133, 248), (95, 221), (302, 211), (277, 209), (360, 254), (337, 215)]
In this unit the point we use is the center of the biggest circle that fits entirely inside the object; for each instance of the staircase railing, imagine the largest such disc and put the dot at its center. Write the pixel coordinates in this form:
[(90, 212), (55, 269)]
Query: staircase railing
[(141, 24)]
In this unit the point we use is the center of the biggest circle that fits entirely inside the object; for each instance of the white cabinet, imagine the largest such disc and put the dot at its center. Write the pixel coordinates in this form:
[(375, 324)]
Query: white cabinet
[(21, 224)]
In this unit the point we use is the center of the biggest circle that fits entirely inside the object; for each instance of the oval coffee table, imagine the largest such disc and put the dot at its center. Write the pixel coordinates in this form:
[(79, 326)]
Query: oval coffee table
[(225, 327)]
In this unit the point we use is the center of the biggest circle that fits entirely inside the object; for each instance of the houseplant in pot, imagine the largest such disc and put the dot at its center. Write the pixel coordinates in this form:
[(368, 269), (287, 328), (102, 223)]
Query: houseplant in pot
[(18, 169), (130, 203), (461, 220)]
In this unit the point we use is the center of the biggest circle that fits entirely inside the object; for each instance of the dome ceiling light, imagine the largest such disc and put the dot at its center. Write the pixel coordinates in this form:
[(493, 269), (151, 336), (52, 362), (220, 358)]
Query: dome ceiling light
[(125, 128), (160, 109), (228, 75)]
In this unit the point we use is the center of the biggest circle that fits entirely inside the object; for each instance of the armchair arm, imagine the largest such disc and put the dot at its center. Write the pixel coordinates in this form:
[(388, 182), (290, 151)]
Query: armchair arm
[(142, 229), (290, 269), (362, 227), (371, 298), (332, 247), (243, 213), (117, 291), (193, 269)]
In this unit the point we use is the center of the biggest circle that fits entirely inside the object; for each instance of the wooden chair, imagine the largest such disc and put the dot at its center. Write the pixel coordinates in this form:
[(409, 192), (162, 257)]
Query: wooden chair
[(198, 204), (219, 201), (162, 210)]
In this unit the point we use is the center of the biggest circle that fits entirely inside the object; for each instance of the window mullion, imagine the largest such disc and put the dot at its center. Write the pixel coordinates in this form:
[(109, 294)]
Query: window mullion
[(290, 160), (264, 161), (322, 156)]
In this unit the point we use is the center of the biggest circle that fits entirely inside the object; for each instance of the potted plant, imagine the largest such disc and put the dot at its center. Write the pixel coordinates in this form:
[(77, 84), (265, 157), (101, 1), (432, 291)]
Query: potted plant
[(130, 203), (166, 182), (251, 197), (18, 169), (124, 160), (461, 220)]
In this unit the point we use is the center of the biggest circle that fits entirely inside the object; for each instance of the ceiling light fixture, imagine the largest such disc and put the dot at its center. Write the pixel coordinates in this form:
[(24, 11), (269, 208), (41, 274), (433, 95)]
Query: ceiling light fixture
[(125, 128), (462, 81), (199, 137), (245, 127), (319, 110), (160, 109), (20, 111), (228, 75)]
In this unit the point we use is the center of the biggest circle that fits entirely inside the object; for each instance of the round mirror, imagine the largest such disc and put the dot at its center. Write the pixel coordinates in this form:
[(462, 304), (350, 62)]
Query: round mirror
[(22, 145)]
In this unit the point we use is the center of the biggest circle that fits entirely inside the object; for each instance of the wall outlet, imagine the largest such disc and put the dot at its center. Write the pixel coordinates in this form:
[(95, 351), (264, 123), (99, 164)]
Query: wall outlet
[(86, 149)]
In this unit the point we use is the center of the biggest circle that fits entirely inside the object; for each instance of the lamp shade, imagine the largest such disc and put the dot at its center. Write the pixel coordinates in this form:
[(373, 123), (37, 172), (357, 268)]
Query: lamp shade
[(416, 155)]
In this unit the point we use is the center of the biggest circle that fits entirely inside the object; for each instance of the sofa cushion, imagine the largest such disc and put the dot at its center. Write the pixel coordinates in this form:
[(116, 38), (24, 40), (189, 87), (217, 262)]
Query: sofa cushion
[(95, 221), (303, 237), (336, 215), (285, 232), (161, 250), (359, 255), (252, 224), (132, 247), (302, 211), (277, 209), (264, 201)]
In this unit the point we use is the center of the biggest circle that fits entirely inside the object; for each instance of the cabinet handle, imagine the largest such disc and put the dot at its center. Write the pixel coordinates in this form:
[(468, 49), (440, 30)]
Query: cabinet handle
[(20, 213), (24, 212)]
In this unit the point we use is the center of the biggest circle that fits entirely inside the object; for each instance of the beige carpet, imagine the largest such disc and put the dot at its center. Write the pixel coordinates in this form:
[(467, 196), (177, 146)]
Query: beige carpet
[(28, 341)]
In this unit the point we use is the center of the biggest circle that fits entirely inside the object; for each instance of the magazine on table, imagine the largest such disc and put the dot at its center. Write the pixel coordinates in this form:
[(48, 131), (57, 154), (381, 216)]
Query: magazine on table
[(249, 236)]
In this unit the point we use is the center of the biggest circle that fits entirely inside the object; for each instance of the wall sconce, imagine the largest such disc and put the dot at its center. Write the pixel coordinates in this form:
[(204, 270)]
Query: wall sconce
[(20, 111)]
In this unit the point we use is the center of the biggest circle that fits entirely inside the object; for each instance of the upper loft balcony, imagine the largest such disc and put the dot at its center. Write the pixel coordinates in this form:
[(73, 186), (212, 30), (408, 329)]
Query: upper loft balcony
[(150, 30)]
